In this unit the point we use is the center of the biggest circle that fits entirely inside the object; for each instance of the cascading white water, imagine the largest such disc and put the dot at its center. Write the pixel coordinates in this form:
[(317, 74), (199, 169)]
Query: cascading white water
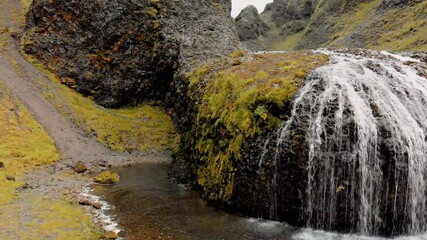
[(356, 105)]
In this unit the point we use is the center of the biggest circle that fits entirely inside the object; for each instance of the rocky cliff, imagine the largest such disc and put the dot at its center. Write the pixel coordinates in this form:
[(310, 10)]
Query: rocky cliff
[(394, 25), (125, 52), (250, 27)]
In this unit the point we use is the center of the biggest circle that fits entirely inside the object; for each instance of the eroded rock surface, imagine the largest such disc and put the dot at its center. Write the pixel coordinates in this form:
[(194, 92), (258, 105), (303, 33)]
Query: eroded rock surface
[(124, 52), (250, 27)]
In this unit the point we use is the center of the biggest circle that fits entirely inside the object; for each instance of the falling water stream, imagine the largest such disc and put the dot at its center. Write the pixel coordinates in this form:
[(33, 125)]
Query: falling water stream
[(357, 107)]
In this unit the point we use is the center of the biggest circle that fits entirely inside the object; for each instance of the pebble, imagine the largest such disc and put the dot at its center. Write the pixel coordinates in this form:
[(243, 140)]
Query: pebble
[(10, 178), (80, 167), (110, 235)]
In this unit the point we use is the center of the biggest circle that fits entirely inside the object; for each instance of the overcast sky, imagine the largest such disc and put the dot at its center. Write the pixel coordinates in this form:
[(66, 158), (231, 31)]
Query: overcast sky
[(238, 5)]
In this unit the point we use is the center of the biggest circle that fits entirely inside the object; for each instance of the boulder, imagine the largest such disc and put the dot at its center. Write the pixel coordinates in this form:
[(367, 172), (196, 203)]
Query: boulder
[(107, 177), (10, 178), (249, 24), (80, 167), (125, 52), (250, 27)]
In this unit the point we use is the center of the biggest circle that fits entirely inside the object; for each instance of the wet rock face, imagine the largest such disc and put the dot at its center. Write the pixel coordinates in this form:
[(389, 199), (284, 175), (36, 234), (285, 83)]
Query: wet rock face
[(341, 158), (124, 52)]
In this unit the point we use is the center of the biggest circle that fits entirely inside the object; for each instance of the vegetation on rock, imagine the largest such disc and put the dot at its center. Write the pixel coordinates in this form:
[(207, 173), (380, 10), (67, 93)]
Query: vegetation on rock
[(107, 177), (239, 99)]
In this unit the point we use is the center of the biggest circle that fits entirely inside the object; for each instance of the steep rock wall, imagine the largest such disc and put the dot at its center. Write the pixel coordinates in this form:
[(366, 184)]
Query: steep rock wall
[(124, 52)]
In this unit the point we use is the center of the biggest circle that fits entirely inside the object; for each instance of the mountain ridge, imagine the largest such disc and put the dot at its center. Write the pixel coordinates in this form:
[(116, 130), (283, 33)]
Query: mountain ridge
[(393, 25)]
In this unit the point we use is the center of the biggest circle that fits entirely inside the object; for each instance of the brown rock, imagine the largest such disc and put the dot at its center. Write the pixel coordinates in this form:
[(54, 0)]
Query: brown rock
[(1, 164), (110, 235), (96, 205), (80, 167), (86, 202), (23, 187), (10, 178)]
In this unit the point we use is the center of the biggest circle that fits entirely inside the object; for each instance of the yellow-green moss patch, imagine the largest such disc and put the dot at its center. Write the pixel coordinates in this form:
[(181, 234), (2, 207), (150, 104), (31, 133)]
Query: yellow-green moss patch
[(400, 29), (289, 43), (140, 128), (404, 30), (240, 99), (23, 144), (107, 177), (46, 219)]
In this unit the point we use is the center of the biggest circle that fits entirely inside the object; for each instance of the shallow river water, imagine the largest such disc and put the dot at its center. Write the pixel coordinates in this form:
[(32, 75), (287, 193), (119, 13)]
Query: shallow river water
[(147, 205)]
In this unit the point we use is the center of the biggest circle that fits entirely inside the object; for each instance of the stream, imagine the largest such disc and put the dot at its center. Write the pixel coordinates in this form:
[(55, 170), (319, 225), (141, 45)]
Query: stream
[(147, 205)]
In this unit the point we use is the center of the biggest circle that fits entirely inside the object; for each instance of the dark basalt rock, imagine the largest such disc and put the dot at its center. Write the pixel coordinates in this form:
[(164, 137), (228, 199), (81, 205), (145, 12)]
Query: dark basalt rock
[(250, 27), (124, 52), (284, 16), (249, 24)]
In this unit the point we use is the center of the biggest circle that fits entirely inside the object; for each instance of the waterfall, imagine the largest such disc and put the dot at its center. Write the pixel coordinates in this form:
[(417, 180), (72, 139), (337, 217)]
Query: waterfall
[(366, 139)]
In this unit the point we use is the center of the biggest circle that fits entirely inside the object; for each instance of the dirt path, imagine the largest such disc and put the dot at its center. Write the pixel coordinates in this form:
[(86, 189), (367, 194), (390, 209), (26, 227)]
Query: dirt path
[(20, 76), (72, 143)]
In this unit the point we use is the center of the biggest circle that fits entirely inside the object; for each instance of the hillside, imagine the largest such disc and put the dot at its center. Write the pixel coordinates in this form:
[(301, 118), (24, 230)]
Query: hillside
[(393, 25)]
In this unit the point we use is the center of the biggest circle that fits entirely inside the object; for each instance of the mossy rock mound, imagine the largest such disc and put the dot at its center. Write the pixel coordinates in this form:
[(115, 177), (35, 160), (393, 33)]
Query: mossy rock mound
[(107, 177), (234, 103)]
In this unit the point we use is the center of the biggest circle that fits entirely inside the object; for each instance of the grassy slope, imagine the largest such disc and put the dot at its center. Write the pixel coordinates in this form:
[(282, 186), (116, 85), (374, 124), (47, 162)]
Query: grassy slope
[(400, 29), (393, 30), (139, 128), (24, 145)]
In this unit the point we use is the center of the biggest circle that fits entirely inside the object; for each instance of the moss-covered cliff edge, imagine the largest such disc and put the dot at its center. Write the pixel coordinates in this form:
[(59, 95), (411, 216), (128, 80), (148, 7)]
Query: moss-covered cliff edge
[(237, 101)]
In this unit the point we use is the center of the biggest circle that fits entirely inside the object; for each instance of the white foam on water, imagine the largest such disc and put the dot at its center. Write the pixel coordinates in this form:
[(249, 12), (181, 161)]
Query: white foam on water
[(108, 222), (309, 234), (400, 57)]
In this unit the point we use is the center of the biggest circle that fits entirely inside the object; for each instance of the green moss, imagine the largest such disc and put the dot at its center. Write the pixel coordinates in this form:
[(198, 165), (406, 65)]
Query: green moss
[(23, 144), (289, 42), (405, 30), (107, 177), (47, 219), (235, 105)]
